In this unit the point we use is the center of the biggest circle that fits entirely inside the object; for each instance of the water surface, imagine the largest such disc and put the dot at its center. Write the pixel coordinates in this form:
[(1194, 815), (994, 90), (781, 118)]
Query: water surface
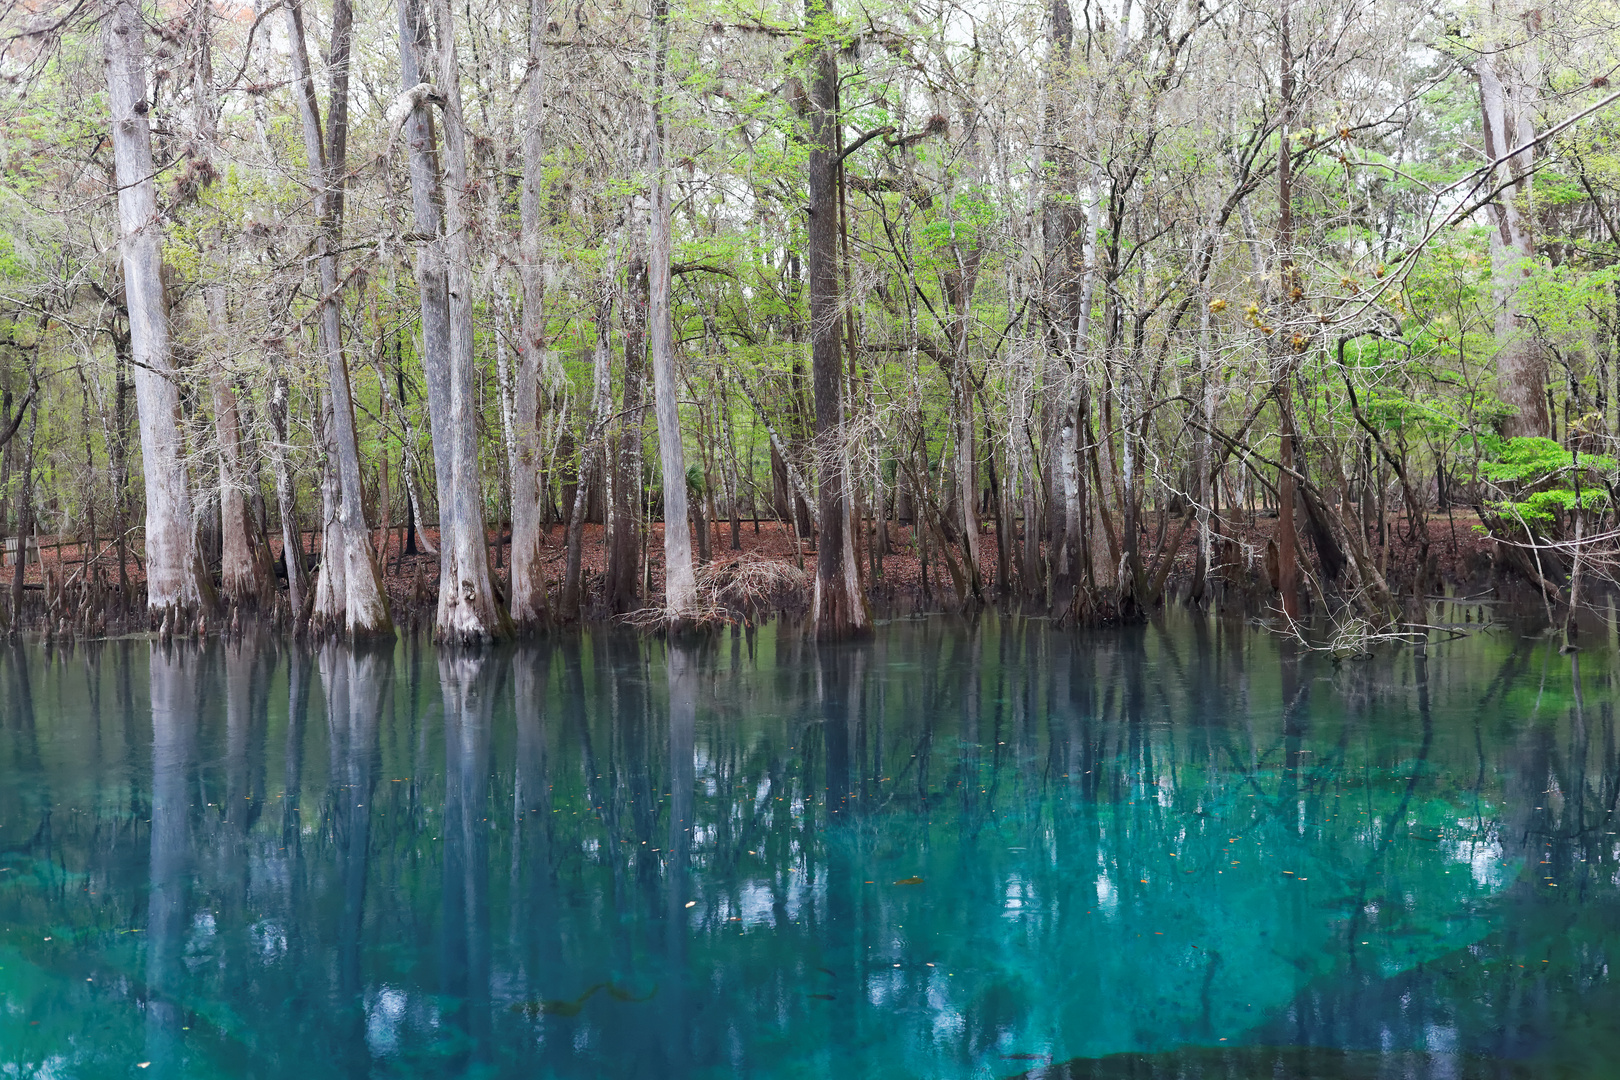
[(959, 850)]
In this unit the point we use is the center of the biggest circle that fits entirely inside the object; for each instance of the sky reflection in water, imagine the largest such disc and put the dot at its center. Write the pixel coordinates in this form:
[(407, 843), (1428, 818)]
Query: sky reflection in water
[(957, 850)]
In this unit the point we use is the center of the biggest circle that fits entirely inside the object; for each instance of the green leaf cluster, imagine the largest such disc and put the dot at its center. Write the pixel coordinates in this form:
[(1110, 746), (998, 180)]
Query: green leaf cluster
[(1544, 480)]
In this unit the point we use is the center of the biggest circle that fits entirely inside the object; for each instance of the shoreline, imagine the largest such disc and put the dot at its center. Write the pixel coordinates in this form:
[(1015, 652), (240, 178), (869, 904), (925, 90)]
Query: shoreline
[(761, 578)]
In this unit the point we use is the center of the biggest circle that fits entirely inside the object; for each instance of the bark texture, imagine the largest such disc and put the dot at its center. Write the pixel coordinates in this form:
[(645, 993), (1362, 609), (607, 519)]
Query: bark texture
[(175, 578), (625, 528), (528, 593), (839, 608), (1506, 81), (680, 580), (348, 593), (246, 573), (468, 608)]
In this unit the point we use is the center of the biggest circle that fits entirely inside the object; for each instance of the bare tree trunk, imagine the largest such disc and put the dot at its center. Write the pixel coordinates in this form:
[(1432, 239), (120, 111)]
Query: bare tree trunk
[(839, 608), (1509, 123), (1287, 539), (680, 580), (350, 595), (175, 578), (245, 565), (25, 520), (415, 43), (1063, 226), (292, 548), (410, 463), (468, 608), (528, 599), (118, 437), (592, 454), (623, 578), (1203, 489)]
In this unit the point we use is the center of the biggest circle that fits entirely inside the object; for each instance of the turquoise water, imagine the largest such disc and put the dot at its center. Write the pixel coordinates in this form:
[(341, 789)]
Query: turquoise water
[(959, 850)]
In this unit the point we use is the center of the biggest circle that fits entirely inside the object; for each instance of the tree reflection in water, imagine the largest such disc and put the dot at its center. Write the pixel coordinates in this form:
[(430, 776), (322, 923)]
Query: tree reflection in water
[(960, 848)]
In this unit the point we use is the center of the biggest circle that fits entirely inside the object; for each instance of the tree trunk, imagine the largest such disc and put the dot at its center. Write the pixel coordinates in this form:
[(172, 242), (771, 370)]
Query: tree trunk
[(415, 45), (408, 461), (1287, 537), (245, 565), (1509, 123), (25, 521), (468, 609), (1064, 221), (528, 592), (175, 579), (839, 608), (680, 582), (350, 594), (292, 548), (592, 455), (624, 550)]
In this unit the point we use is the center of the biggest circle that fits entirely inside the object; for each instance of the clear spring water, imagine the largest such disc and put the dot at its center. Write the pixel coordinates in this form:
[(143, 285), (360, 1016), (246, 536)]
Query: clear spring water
[(958, 850)]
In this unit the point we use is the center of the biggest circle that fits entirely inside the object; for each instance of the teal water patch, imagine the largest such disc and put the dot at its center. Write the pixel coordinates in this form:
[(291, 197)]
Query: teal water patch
[(959, 849)]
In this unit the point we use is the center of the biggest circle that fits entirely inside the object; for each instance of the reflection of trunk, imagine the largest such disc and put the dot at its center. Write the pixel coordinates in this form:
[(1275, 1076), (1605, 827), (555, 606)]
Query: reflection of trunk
[(838, 687), (680, 582), (247, 707), (528, 592), (532, 873), (1509, 123), (246, 710), (355, 683), (175, 578), (468, 609), (839, 607), (467, 681), (292, 776), (683, 693), (173, 675), (348, 592)]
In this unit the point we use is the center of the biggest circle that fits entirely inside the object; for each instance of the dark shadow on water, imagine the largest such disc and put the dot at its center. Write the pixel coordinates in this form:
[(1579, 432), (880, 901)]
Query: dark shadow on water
[(1290, 1063)]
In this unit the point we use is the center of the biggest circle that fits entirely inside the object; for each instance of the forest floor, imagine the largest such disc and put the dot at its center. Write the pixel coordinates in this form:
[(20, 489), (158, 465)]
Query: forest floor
[(1460, 555)]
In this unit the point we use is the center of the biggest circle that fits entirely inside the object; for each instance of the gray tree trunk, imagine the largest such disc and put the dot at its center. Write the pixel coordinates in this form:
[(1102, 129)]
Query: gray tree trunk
[(415, 46), (624, 552), (680, 580), (175, 578), (349, 594), (1509, 122), (245, 570), (411, 462), (593, 450), (528, 593), (468, 608), (292, 546)]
